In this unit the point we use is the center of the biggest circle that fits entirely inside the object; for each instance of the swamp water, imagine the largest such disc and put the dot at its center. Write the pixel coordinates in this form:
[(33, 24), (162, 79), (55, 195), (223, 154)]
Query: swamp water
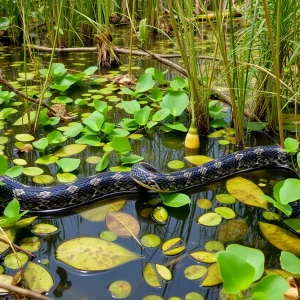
[(158, 149)]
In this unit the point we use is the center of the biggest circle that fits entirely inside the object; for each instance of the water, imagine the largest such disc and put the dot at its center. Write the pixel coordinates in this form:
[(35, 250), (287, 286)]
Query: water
[(158, 149)]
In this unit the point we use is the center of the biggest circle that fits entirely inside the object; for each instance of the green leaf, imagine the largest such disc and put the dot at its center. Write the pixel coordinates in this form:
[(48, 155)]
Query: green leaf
[(291, 145), (176, 102), (47, 159), (286, 209), (73, 131), (4, 23), (100, 106), (290, 262), (175, 199), (94, 121), (108, 127), (68, 164), (131, 106), (157, 74), (144, 83), (88, 139), (104, 163), (70, 150), (41, 144), (12, 209), (252, 256), (14, 171), (178, 83), (255, 126), (55, 137), (156, 94), (129, 124), (298, 159), (3, 164), (290, 191), (131, 159), (120, 144), (5, 112), (128, 91), (176, 126), (143, 30), (293, 223), (161, 115), (91, 70), (142, 116), (272, 287), (236, 273), (24, 120)]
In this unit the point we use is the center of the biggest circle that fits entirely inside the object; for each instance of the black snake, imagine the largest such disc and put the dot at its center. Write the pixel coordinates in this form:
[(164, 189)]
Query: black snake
[(142, 176)]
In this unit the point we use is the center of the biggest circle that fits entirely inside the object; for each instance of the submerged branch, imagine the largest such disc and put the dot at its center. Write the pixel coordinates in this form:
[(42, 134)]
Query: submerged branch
[(17, 247), (33, 100)]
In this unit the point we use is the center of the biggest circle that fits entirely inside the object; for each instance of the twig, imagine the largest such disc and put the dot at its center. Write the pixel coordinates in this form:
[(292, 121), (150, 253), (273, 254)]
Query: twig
[(24, 96), (17, 247), (23, 292)]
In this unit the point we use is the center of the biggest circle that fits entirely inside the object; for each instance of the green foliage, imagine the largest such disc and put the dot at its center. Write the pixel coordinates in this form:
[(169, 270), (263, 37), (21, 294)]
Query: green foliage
[(143, 31), (291, 145), (4, 23), (175, 199), (68, 164), (290, 262), (5, 96), (11, 214)]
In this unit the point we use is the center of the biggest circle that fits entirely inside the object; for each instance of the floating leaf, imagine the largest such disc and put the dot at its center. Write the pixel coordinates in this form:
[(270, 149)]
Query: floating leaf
[(175, 164), (24, 120), (160, 214), (14, 263), (193, 296), (172, 246), (47, 159), (290, 262), (150, 240), (99, 213), (246, 192), (33, 171), (198, 159), (20, 161), (43, 179), (233, 230), (120, 289), (6, 279), (3, 140), (44, 229), (280, 238), (271, 216), (93, 159), (122, 224), (150, 276), (31, 244), (210, 219), (225, 212), (204, 256), (204, 203), (223, 142), (70, 150), (24, 137), (175, 199), (175, 250), (213, 277), (93, 254), (163, 271), (66, 177), (24, 222), (14, 171), (108, 236), (225, 198), (195, 272), (37, 278), (214, 246), (68, 164), (293, 223)]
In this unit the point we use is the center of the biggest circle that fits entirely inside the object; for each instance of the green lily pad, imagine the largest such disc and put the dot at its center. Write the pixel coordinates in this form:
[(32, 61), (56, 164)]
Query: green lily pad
[(204, 203), (66, 177), (225, 198), (175, 164), (193, 296), (160, 214), (25, 222), (47, 159), (195, 272), (135, 136), (108, 236), (214, 246), (225, 212), (37, 278), (204, 256), (24, 137), (43, 179), (33, 171), (20, 162), (152, 297), (44, 229), (70, 150), (271, 216), (31, 244), (150, 240), (198, 159), (3, 140), (120, 169), (93, 254), (68, 164), (223, 142), (120, 289), (163, 271), (14, 263), (210, 219)]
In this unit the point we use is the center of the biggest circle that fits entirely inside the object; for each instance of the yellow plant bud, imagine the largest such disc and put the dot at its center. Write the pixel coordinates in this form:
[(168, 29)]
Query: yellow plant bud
[(192, 140)]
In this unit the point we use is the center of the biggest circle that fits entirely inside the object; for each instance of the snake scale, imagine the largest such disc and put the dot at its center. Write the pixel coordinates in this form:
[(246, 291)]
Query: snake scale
[(142, 175)]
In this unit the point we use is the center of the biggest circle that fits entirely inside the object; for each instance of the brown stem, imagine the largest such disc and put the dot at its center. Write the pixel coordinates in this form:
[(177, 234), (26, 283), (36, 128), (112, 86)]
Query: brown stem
[(24, 292), (18, 248), (35, 101)]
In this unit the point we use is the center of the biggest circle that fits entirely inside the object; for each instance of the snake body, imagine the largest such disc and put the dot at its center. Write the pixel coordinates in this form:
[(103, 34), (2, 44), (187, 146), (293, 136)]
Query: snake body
[(142, 176)]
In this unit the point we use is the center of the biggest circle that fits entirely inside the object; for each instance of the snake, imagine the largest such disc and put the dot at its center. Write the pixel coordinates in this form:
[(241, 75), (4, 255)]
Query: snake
[(142, 177)]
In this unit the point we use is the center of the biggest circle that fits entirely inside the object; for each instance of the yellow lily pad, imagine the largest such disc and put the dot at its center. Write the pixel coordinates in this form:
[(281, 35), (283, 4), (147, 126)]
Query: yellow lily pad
[(70, 150), (175, 250), (204, 256), (153, 297), (99, 212), (37, 278), (225, 198), (271, 216), (175, 164), (150, 276), (216, 134), (160, 214), (93, 159), (93, 254), (233, 230), (213, 277), (33, 171), (66, 177), (193, 296), (44, 229), (214, 246), (20, 162), (120, 289), (246, 192), (24, 137), (170, 243), (210, 219), (163, 271), (25, 222), (204, 203), (225, 212), (31, 244), (198, 159), (43, 179), (13, 262), (47, 159), (195, 272), (280, 237), (150, 240)]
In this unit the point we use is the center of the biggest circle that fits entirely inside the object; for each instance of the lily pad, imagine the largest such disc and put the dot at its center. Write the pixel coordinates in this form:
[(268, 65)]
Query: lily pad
[(175, 164), (3, 140), (271, 216), (172, 246), (213, 277), (43, 179), (280, 237), (246, 192), (204, 203), (20, 162), (10, 234), (37, 278), (225, 198), (33, 171), (122, 224), (108, 236), (193, 296), (150, 240), (44, 229), (120, 289), (160, 214), (47, 159), (93, 159), (204, 256), (31, 244), (24, 137), (25, 222), (70, 150), (163, 271), (93, 254), (13, 262), (198, 159), (210, 219), (151, 276), (7, 279), (214, 246), (223, 142), (232, 230), (66, 177), (68, 164), (225, 212), (195, 272)]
